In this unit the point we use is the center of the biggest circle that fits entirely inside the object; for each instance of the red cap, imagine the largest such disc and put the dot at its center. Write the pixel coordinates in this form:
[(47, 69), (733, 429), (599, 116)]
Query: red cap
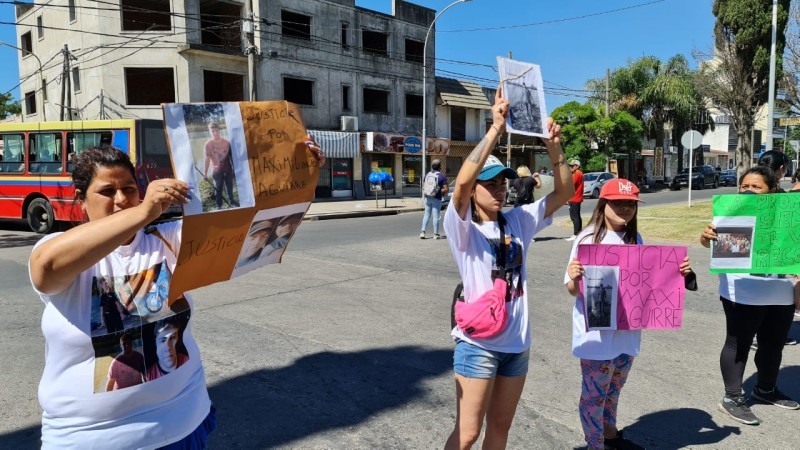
[(620, 189)]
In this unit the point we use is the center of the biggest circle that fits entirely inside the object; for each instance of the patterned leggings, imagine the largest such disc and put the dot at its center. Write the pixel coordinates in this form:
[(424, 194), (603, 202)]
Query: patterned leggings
[(602, 381)]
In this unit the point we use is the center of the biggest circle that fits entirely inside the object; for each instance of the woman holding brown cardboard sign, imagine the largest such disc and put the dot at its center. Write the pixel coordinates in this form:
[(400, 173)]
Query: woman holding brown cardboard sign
[(172, 410), (491, 358)]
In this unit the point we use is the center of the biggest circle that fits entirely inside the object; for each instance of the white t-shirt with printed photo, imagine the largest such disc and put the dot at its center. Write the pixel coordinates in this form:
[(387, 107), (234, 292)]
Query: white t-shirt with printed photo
[(599, 345), (476, 248), (123, 294)]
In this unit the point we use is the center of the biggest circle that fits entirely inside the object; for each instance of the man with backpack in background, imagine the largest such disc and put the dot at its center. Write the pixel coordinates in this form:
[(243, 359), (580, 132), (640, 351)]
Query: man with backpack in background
[(434, 185)]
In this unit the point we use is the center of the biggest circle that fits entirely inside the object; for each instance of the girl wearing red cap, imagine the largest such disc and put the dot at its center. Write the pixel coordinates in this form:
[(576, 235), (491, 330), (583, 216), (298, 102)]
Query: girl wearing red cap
[(606, 356)]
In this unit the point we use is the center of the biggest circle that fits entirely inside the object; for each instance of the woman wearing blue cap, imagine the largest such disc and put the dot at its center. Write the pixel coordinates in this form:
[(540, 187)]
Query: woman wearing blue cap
[(489, 248)]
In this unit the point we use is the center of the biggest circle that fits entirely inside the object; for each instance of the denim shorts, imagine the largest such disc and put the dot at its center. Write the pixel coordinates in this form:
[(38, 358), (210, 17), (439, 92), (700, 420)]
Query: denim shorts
[(471, 361)]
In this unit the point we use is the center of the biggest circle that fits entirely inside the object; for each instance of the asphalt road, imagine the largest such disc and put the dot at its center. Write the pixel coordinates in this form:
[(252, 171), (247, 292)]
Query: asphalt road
[(346, 345)]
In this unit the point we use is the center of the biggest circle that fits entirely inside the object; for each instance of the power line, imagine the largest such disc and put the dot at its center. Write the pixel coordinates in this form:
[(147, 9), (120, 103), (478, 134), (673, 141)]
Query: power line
[(547, 22)]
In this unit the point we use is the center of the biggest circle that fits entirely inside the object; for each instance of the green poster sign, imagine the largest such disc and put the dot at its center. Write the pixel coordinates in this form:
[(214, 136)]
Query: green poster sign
[(757, 234)]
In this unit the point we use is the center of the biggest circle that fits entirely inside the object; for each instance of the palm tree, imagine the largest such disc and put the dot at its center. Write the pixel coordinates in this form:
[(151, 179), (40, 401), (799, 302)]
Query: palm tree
[(656, 93)]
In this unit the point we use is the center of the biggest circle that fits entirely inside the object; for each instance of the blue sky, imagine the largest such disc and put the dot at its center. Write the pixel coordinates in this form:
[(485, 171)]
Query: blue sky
[(569, 51)]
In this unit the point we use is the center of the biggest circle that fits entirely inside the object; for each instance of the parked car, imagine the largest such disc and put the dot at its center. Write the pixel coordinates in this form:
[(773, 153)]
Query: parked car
[(594, 181), (702, 177), (446, 197), (728, 178)]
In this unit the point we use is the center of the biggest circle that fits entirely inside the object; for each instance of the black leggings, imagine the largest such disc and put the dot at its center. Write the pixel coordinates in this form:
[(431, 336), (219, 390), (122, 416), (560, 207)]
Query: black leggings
[(575, 215), (771, 324)]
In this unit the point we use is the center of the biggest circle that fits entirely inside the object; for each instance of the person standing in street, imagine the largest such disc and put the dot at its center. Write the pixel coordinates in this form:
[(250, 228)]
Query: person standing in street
[(434, 185), (490, 248), (524, 185), (217, 154), (754, 304), (576, 200)]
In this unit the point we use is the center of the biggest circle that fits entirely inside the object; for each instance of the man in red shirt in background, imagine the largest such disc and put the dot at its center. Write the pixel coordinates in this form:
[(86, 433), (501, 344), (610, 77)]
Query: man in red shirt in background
[(576, 200)]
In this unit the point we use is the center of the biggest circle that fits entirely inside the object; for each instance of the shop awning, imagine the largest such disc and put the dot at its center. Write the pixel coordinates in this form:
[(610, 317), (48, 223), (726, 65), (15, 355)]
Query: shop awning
[(337, 144)]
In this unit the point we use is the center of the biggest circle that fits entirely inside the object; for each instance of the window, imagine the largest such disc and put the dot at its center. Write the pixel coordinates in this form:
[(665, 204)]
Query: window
[(219, 25), (30, 102), (345, 97), (26, 43), (145, 15), (376, 101), (375, 42), (295, 25), (415, 51), (77, 143), (222, 87), (44, 153), (76, 79), (39, 27), (73, 15), (13, 153), (458, 124), (345, 32), (298, 91), (149, 85), (413, 105)]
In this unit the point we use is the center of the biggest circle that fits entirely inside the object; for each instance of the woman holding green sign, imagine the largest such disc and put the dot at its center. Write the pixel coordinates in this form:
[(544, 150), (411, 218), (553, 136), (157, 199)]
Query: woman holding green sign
[(753, 304)]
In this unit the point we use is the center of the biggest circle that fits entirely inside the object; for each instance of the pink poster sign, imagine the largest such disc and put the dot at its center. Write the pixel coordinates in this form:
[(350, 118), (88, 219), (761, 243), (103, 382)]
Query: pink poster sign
[(642, 284)]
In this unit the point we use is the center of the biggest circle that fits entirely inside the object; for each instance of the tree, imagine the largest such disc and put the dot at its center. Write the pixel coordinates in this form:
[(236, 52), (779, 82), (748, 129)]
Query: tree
[(591, 137), (8, 106), (654, 92), (736, 79)]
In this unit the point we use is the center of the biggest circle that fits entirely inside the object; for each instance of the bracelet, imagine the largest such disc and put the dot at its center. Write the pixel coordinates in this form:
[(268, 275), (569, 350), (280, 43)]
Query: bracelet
[(559, 163), (496, 129)]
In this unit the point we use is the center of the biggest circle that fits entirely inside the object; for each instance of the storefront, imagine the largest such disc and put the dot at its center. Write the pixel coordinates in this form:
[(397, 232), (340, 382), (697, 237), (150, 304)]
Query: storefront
[(400, 156), (341, 151)]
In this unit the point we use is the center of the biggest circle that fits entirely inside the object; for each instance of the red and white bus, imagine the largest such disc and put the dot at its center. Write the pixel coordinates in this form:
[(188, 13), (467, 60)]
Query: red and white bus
[(36, 163)]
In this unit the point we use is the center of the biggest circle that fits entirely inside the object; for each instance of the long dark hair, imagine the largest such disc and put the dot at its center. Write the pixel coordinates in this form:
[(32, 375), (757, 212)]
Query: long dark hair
[(87, 163), (773, 159), (766, 173), (598, 224)]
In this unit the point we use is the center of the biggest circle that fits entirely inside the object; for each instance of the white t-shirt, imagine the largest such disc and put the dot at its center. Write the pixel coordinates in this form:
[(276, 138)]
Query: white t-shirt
[(599, 345), (758, 290), (476, 257), (124, 293)]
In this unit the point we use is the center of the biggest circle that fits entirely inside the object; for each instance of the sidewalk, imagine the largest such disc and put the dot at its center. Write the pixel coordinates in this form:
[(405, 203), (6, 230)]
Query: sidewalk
[(322, 210)]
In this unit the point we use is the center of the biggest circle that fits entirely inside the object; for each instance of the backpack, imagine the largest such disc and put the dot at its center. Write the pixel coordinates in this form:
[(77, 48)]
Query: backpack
[(430, 186)]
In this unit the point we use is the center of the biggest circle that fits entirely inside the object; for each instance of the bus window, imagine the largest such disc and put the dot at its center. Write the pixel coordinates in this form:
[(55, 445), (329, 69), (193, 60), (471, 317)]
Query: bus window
[(44, 152), (12, 160), (78, 142)]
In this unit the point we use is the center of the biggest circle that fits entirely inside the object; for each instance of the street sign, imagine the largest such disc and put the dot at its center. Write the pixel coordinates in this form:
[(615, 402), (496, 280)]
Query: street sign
[(789, 121), (692, 139)]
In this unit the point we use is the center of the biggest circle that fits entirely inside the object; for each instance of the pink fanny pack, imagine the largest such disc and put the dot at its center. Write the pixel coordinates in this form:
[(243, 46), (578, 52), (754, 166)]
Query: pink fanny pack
[(485, 317)]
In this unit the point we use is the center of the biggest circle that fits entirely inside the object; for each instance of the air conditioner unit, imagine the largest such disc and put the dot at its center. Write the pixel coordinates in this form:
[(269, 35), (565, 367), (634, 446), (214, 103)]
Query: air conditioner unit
[(349, 123)]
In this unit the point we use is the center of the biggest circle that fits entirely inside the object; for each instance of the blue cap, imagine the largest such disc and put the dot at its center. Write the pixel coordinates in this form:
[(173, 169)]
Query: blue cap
[(494, 167)]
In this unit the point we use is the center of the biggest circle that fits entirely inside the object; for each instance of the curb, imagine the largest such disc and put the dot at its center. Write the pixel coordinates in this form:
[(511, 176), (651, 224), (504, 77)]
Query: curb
[(353, 214)]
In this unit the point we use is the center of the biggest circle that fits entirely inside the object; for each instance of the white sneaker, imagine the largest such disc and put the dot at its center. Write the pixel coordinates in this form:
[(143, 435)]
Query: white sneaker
[(422, 235), (570, 239)]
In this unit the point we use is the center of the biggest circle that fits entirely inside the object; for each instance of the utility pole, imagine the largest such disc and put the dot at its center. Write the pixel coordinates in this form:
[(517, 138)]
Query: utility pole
[(508, 138), (252, 50), (608, 102), (102, 105), (64, 53)]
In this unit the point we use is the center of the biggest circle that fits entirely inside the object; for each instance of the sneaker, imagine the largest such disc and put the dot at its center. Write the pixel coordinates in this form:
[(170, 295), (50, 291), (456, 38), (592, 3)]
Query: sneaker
[(797, 313), (737, 408), (437, 236), (570, 239), (422, 235), (620, 443), (776, 398), (790, 341), (754, 345)]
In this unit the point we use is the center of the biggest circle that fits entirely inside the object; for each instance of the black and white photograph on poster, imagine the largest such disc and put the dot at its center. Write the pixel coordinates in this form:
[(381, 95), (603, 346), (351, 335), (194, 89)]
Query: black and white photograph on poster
[(523, 88), (733, 248), (268, 236), (601, 288), (209, 152)]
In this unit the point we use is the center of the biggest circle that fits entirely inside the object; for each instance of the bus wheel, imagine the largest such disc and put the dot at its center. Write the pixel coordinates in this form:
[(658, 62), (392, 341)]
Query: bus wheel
[(40, 215)]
